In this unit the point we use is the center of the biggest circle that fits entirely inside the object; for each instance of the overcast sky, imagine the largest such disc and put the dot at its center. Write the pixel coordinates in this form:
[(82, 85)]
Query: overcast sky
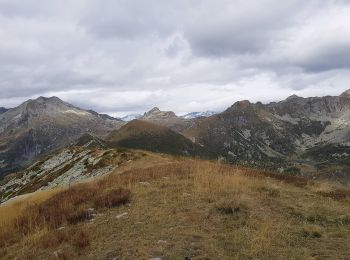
[(126, 56)]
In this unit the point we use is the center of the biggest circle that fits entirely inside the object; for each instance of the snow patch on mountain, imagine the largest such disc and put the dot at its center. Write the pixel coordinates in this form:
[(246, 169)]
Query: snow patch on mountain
[(131, 117), (193, 115)]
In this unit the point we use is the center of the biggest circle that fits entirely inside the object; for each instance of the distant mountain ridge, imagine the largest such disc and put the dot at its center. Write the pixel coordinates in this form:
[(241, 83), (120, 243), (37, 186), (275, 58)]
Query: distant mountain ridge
[(193, 115), (131, 117), (156, 113), (261, 134), (38, 127), (290, 132)]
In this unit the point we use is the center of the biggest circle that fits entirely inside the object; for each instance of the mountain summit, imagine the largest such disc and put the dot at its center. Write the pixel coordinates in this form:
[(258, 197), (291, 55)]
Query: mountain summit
[(39, 126), (156, 114), (346, 93)]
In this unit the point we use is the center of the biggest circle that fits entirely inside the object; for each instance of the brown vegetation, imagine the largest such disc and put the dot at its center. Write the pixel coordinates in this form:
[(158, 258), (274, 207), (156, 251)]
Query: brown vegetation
[(69, 206), (192, 208)]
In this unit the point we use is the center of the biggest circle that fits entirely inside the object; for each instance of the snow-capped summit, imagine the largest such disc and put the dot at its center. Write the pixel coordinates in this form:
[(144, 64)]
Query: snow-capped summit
[(198, 114)]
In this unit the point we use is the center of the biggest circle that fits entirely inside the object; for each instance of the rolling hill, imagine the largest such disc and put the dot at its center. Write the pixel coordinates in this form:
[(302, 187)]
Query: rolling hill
[(141, 134)]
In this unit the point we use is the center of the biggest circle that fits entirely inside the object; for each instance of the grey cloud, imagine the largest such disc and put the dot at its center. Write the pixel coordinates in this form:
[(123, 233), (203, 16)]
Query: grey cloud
[(333, 57), (132, 19), (240, 27), (128, 55)]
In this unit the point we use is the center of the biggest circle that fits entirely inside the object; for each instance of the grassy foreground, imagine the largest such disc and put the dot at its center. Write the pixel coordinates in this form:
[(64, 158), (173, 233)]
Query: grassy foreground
[(187, 208)]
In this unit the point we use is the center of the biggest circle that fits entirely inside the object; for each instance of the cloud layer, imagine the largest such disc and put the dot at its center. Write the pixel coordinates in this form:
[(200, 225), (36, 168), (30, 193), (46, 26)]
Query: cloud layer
[(127, 56)]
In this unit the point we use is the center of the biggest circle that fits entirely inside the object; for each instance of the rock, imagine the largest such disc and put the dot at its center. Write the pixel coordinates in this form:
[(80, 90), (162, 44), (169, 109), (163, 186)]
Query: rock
[(57, 253), (122, 215)]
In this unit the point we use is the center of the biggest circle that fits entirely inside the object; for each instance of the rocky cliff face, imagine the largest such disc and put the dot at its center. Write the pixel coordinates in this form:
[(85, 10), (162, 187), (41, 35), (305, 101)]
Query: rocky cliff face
[(38, 127)]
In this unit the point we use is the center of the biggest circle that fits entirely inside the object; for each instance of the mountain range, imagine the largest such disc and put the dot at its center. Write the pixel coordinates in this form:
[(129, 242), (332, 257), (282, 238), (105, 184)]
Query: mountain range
[(190, 115), (307, 136), (193, 115)]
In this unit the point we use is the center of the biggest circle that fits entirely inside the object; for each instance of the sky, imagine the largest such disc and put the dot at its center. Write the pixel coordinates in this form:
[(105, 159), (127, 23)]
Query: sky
[(125, 56)]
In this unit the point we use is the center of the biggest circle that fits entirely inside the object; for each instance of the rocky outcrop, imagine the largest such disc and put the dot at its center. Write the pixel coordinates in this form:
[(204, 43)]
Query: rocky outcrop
[(63, 168)]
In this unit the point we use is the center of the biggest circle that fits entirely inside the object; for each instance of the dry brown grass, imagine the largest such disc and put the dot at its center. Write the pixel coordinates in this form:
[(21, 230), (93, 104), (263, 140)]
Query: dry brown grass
[(112, 198), (192, 208), (53, 209)]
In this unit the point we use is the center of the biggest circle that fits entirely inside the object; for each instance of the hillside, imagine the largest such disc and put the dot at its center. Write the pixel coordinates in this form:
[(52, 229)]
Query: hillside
[(38, 127), (87, 159), (177, 209), (141, 134)]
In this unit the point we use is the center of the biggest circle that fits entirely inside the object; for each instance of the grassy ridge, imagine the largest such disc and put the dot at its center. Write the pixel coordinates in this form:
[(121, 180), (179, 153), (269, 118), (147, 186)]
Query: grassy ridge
[(191, 208)]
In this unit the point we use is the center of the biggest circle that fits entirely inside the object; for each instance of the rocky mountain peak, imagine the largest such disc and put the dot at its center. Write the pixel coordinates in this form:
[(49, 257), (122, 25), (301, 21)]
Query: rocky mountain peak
[(156, 113), (154, 110), (240, 105), (346, 93), (46, 100), (293, 97)]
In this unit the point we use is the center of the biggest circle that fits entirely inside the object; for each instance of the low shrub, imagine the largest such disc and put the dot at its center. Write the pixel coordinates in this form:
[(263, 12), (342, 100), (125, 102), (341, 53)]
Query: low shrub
[(112, 198), (78, 237), (311, 232), (81, 239), (67, 207), (235, 208)]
